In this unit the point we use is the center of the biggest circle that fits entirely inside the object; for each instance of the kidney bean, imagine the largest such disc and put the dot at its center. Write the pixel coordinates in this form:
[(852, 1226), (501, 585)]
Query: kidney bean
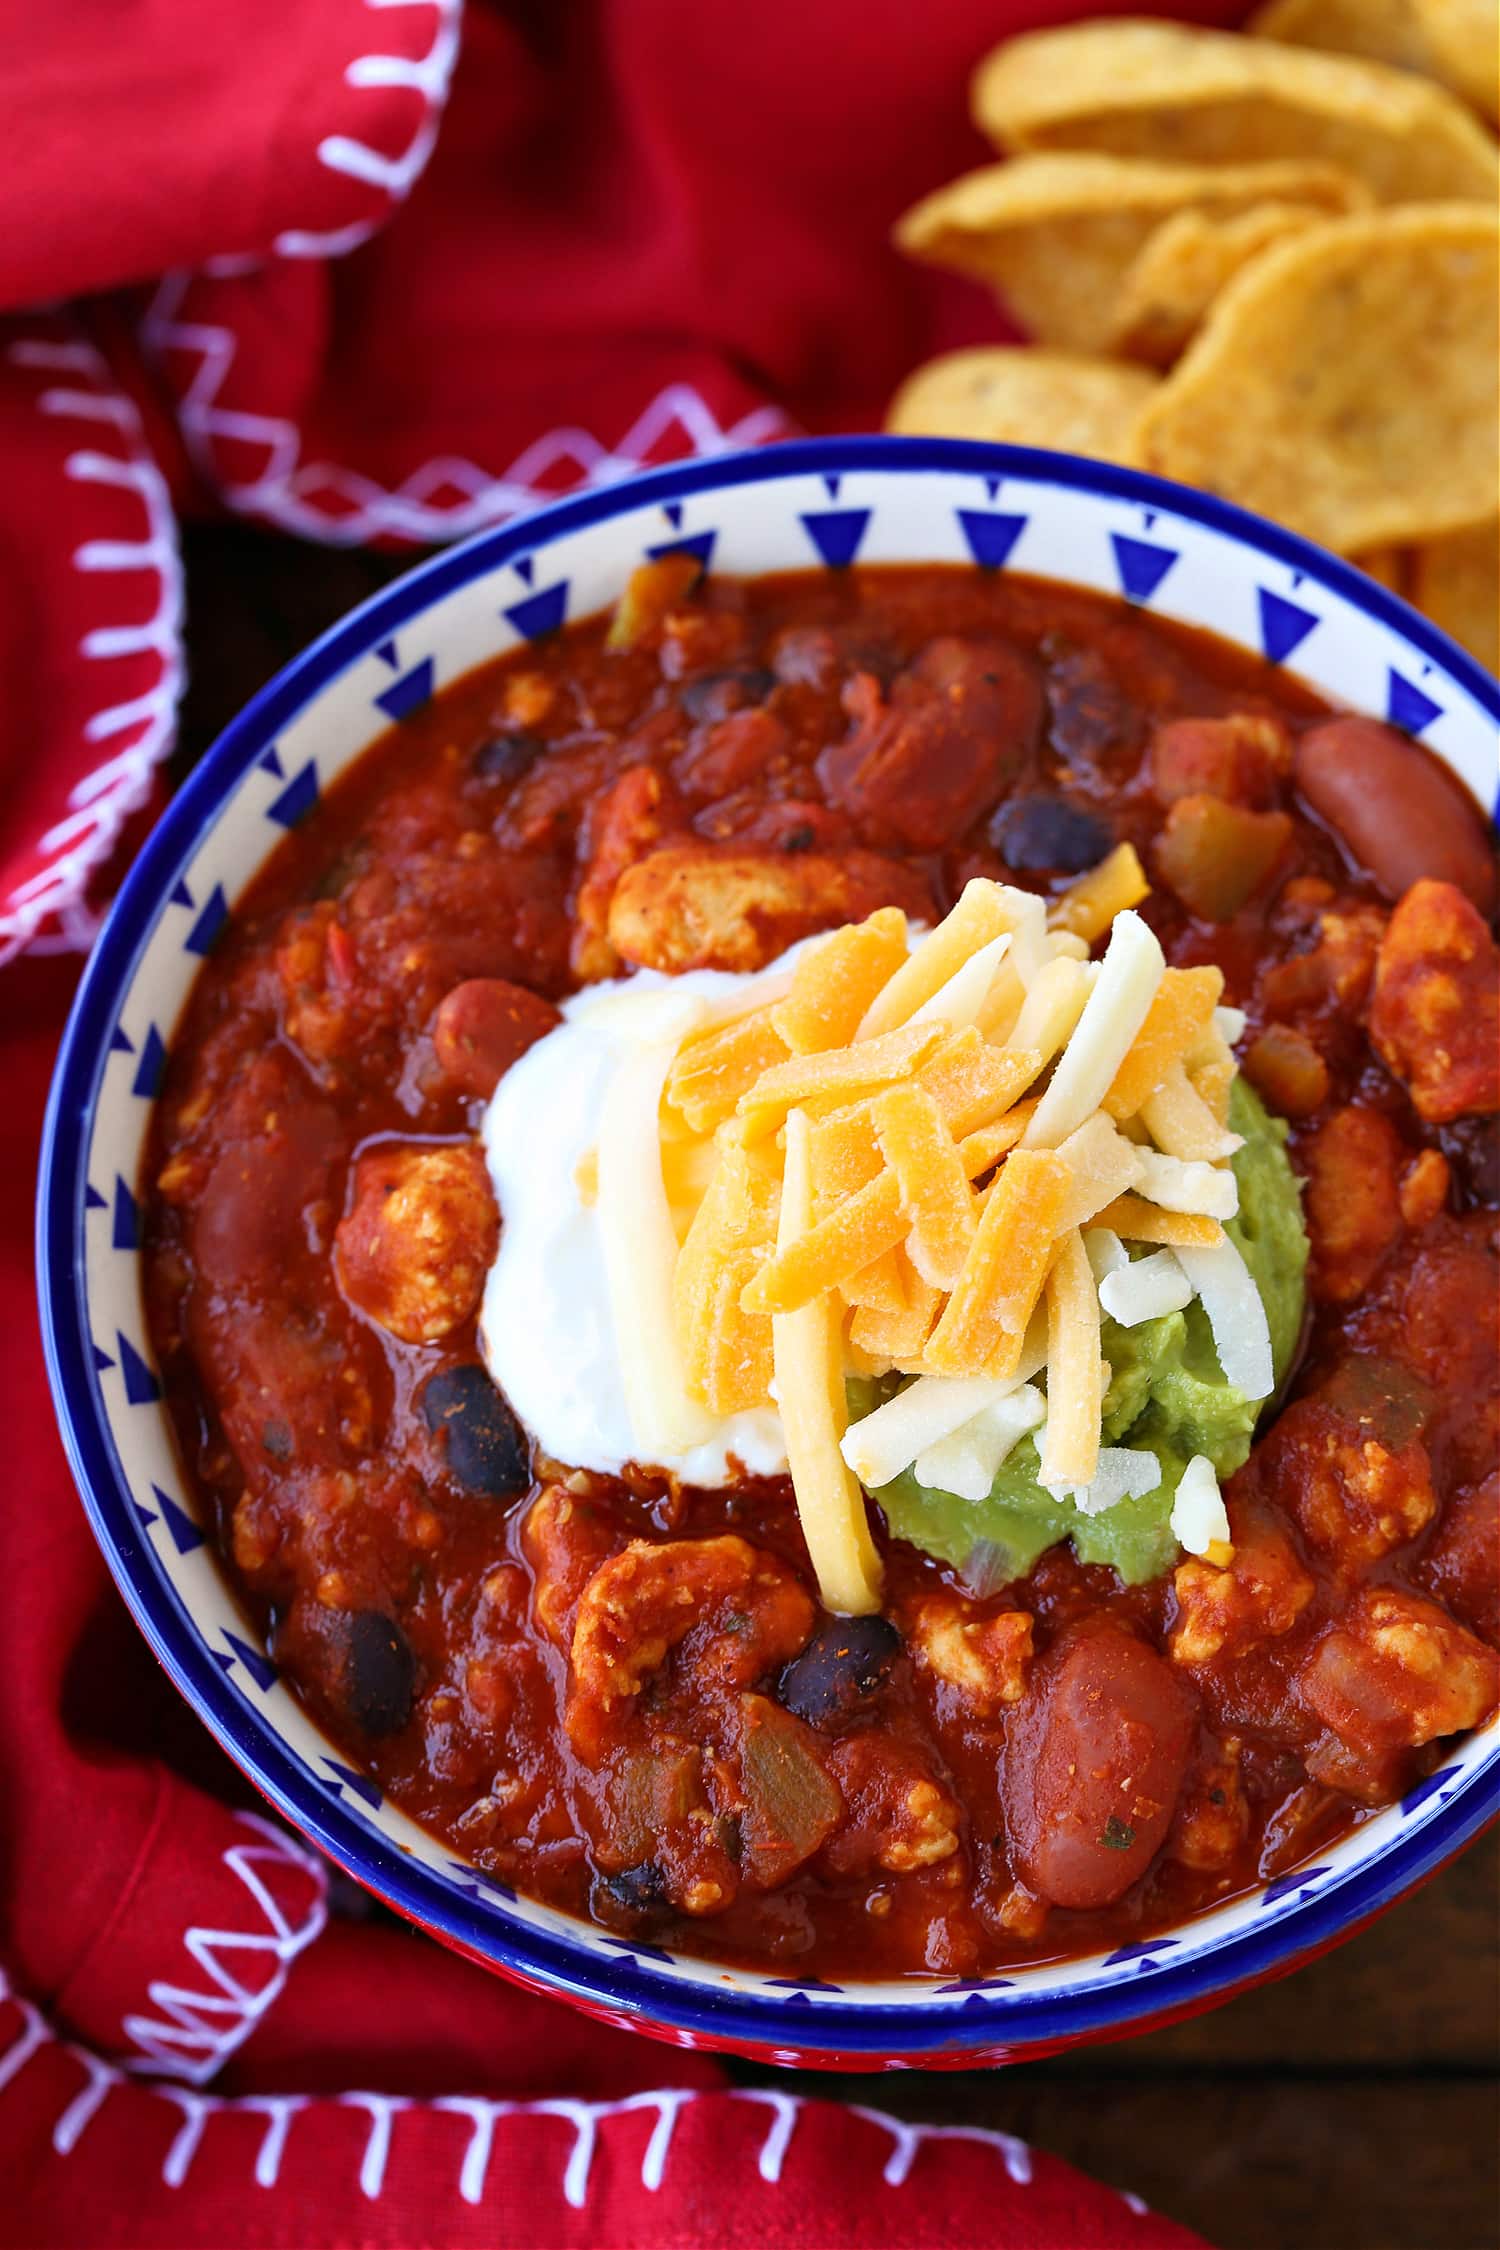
[(1398, 812), (483, 1026), (484, 1444), (841, 1669), (380, 1674), (1093, 1765)]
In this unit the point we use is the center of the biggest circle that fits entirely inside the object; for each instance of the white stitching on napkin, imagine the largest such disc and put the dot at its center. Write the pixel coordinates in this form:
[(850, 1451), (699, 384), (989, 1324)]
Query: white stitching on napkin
[(196, 2030), (47, 913)]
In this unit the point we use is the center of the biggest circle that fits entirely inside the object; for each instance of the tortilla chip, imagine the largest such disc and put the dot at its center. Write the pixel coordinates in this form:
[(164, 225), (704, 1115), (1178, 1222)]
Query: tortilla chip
[(1463, 36), (1387, 31), (1011, 396), (1386, 565), (1346, 383), (1151, 89), (1456, 582), (1184, 265), (1056, 234)]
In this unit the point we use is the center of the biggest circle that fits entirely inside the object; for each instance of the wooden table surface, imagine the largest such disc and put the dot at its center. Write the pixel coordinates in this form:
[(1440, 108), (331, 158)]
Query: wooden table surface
[(1354, 2106)]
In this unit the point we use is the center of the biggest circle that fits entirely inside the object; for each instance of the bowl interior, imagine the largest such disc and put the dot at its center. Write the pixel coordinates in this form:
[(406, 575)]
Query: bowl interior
[(807, 506)]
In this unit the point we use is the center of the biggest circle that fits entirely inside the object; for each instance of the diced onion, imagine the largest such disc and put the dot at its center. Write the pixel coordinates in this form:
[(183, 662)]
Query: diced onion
[(1199, 1521), (1241, 1332), (1229, 1023), (1132, 968), (1144, 1289)]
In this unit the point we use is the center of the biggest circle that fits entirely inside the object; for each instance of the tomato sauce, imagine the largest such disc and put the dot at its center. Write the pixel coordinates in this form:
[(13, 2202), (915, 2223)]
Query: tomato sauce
[(914, 1793)]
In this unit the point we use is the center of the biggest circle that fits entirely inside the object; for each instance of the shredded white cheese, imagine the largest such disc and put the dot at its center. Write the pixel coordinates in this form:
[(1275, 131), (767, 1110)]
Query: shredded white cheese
[(1241, 1332), (1124, 1473), (1209, 1191), (1132, 968), (961, 1000), (884, 1443), (1199, 1521), (1145, 1288), (967, 1461), (1105, 1251)]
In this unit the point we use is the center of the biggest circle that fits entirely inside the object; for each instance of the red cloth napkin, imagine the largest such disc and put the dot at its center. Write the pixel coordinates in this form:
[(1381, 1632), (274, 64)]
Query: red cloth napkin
[(365, 273)]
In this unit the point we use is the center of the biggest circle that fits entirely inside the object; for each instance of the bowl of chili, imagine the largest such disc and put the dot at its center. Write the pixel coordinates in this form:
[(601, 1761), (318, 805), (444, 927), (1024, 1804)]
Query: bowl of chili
[(360, 1565)]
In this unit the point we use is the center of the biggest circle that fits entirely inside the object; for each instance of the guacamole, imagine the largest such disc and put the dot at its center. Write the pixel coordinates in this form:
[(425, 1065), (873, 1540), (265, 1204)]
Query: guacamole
[(1167, 1396)]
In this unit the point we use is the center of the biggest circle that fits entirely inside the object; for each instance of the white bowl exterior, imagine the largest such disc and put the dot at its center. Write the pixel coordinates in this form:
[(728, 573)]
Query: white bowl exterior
[(1067, 531)]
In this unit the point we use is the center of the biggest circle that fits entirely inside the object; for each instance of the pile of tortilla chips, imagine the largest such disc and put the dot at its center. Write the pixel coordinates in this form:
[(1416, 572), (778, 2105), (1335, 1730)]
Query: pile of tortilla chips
[(1266, 265)]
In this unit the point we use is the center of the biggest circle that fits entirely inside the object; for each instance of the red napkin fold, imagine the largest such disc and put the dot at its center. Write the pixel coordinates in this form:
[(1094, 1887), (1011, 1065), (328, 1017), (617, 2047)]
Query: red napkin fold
[(366, 272)]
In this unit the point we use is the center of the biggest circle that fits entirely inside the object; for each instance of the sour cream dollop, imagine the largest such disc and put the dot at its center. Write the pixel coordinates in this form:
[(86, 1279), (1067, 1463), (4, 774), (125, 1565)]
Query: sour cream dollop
[(547, 1327)]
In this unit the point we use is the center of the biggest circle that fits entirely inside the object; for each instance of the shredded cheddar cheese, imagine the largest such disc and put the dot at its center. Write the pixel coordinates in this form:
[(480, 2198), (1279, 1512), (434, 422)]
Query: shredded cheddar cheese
[(945, 1160)]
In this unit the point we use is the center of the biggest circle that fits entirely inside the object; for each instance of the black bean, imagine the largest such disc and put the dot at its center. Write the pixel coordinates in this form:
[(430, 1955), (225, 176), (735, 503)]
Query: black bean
[(1047, 832), (380, 1675), (1088, 713), (713, 695), (484, 1445), (505, 757), (1472, 1147), (276, 1437), (639, 1890), (842, 1668)]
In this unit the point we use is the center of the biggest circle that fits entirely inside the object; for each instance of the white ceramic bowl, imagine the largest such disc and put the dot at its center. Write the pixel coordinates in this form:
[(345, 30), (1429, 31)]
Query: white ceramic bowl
[(823, 503)]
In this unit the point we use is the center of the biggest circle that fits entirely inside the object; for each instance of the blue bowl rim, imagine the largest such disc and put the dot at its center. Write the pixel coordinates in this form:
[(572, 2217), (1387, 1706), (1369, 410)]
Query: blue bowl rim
[(991, 2022)]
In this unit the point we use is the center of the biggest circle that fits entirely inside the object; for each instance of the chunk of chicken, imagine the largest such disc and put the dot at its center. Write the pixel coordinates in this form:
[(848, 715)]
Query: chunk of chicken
[(1213, 1813), (625, 824), (1258, 1597), (986, 1659), (689, 906), (413, 1252), (1462, 1566), (1334, 974), (1435, 1011), (1243, 757), (566, 1539), (898, 1817), (1353, 1201), (1396, 1671), (746, 1608), (1350, 1464)]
